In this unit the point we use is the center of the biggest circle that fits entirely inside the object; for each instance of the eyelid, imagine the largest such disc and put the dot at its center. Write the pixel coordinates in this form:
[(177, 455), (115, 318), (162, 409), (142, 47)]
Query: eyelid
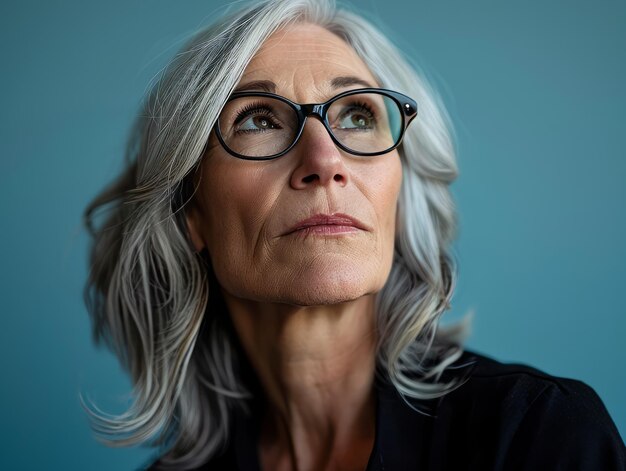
[(362, 105), (250, 109), (359, 105)]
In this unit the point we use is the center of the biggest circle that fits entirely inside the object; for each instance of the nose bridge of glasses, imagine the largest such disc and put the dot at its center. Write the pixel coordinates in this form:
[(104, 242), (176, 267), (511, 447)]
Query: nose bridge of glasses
[(313, 109), (318, 111)]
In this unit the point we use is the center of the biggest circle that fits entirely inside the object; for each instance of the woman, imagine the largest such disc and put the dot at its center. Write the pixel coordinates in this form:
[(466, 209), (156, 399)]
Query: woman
[(276, 262)]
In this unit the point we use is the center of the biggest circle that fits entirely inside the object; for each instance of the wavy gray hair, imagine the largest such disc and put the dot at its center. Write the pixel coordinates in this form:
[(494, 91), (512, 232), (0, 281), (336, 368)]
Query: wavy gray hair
[(148, 292)]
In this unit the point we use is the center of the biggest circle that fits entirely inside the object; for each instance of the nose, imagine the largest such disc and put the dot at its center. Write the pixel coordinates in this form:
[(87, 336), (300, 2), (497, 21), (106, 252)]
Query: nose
[(319, 161)]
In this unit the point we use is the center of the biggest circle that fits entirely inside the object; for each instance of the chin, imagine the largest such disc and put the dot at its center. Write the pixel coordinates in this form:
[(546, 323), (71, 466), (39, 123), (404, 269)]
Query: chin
[(321, 281), (330, 286), (324, 297)]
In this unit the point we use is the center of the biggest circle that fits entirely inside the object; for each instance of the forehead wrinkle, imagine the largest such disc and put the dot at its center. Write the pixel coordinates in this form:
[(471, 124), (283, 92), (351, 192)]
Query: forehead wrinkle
[(300, 49), (330, 67), (303, 52), (314, 35), (311, 39), (304, 67)]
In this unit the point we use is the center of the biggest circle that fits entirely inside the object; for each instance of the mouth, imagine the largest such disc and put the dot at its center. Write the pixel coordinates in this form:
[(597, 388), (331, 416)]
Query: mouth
[(327, 225)]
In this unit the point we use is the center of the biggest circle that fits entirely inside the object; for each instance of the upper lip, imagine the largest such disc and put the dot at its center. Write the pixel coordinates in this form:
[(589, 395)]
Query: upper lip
[(337, 219)]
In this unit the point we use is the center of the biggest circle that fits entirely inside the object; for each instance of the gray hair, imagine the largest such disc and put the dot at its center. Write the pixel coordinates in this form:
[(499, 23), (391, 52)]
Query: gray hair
[(148, 292)]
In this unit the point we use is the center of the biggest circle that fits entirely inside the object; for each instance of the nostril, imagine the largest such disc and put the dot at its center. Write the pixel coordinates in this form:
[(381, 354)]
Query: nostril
[(310, 178), (337, 178)]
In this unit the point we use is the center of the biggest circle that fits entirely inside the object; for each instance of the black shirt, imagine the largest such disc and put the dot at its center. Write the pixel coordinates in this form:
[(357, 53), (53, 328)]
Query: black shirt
[(504, 417)]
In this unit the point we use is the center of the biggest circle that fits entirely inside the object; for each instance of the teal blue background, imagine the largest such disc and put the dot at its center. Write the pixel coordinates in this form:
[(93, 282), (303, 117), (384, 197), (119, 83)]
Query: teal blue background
[(535, 89)]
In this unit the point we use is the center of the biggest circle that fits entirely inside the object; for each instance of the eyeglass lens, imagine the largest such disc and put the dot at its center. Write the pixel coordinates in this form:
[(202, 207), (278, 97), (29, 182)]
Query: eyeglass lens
[(257, 126)]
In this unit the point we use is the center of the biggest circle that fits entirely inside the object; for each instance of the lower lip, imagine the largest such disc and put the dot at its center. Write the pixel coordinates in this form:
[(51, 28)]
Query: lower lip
[(326, 230)]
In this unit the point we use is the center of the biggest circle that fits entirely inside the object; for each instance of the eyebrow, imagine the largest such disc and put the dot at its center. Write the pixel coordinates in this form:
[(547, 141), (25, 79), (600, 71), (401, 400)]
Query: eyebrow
[(349, 80), (256, 85), (270, 87)]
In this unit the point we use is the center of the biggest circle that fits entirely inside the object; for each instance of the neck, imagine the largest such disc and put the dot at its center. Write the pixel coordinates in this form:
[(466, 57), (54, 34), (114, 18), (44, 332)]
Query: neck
[(316, 365)]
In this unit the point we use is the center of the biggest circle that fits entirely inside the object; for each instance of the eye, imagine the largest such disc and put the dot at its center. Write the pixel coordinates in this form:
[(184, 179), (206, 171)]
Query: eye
[(358, 117), (255, 119)]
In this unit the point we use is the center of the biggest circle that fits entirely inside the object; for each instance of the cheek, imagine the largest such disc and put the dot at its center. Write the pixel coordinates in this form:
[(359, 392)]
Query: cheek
[(235, 207), (387, 210), (391, 206), (383, 187), (393, 192), (380, 182)]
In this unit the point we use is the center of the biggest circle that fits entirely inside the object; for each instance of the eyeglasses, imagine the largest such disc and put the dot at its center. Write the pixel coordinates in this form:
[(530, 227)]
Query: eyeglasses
[(364, 122)]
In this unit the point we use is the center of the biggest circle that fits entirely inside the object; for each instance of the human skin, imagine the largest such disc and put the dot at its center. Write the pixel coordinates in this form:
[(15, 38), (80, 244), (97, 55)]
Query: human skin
[(302, 302)]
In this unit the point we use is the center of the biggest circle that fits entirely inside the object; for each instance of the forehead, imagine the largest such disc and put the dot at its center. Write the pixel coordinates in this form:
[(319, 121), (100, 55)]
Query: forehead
[(303, 59)]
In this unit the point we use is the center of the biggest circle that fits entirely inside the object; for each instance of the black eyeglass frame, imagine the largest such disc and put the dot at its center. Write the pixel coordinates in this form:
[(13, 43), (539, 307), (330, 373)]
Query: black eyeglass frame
[(320, 111)]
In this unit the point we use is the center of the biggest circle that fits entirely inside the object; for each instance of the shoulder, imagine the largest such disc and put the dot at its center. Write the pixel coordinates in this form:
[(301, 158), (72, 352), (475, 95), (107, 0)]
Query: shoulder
[(518, 385), (521, 388), (536, 420)]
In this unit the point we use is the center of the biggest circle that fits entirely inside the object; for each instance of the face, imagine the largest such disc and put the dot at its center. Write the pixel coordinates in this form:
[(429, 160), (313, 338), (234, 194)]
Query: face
[(317, 225)]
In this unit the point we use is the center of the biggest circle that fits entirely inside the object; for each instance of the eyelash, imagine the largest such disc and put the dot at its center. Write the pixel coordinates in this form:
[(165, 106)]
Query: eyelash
[(249, 110), (362, 106)]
